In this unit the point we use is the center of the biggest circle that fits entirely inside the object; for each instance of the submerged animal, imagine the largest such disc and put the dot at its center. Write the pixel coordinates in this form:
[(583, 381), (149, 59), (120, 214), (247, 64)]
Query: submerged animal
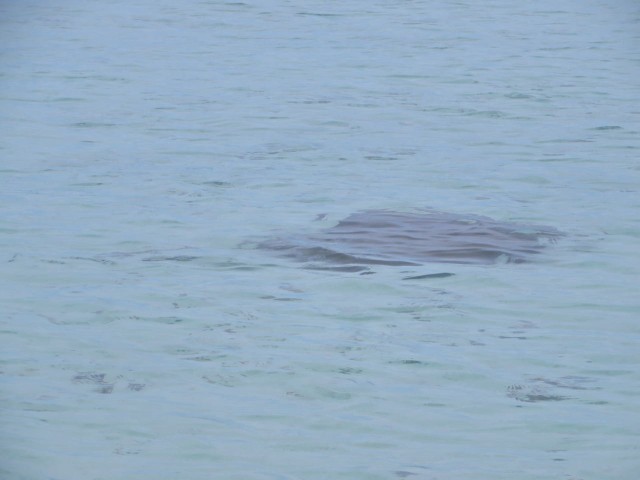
[(380, 237)]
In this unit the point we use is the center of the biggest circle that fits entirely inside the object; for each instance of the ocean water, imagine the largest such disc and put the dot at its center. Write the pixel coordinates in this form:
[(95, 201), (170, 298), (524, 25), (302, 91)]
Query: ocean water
[(146, 148)]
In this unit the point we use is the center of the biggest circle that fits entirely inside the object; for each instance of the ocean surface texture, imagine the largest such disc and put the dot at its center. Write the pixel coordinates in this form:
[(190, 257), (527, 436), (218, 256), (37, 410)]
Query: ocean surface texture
[(149, 150)]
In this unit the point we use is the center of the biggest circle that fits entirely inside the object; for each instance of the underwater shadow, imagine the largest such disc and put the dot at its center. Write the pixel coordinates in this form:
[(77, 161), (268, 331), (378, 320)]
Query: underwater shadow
[(380, 237)]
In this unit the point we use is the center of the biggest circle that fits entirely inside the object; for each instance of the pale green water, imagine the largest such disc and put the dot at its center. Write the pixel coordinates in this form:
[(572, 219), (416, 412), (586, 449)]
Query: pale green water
[(145, 145)]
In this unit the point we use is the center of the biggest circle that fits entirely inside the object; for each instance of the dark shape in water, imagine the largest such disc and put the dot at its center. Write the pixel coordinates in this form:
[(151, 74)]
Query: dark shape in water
[(430, 275), (411, 239)]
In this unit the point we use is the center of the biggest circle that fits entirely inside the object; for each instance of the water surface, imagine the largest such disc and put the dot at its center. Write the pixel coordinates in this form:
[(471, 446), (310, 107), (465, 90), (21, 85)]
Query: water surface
[(146, 145)]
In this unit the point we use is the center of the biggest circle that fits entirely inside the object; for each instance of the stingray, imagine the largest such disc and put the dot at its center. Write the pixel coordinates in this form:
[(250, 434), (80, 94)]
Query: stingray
[(390, 238)]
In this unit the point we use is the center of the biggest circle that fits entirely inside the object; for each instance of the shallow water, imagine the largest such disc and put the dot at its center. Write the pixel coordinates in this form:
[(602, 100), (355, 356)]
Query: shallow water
[(147, 146)]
